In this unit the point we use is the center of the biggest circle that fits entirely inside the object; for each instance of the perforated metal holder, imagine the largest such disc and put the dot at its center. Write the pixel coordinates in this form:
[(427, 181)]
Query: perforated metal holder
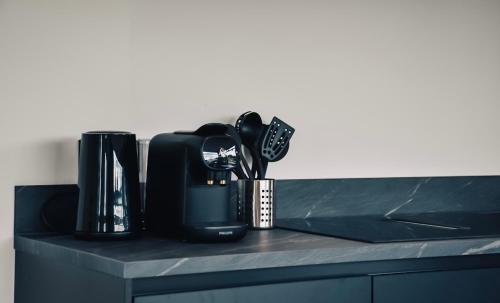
[(256, 204)]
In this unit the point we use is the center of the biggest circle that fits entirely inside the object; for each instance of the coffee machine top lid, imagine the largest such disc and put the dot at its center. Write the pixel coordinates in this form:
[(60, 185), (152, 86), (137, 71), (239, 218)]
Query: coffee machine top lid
[(107, 132)]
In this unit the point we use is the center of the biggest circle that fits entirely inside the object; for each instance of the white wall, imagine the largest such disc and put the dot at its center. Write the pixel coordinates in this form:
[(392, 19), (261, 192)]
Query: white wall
[(374, 88)]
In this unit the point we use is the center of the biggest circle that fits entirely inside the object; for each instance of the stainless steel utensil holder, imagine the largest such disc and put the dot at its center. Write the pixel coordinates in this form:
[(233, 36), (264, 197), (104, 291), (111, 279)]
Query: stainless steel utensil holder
[(256, 203)]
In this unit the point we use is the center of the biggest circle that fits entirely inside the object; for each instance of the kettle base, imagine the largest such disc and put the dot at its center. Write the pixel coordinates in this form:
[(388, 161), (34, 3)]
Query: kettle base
[(104, 236)]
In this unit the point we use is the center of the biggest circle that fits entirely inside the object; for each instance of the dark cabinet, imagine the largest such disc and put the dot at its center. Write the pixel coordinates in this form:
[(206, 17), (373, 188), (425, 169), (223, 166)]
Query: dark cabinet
[(342, 290), (463, 286), (468, 279)]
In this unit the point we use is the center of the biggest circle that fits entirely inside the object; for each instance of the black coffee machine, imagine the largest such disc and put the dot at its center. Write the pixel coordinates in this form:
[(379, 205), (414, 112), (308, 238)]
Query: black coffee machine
[(188, 191)]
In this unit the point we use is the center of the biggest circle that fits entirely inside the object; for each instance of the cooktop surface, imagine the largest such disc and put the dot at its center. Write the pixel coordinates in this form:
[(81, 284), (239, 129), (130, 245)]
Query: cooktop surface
[(400, 227)]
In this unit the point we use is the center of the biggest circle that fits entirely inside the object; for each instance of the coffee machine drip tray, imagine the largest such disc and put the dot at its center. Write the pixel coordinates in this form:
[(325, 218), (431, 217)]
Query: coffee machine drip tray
[(400, 227)]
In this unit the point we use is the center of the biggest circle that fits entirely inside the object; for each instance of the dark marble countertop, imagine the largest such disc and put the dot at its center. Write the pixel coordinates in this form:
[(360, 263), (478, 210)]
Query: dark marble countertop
[(152, 256)]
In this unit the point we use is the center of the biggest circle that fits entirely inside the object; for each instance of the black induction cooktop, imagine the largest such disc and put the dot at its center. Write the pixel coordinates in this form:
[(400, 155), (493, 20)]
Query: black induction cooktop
[(400, 227)]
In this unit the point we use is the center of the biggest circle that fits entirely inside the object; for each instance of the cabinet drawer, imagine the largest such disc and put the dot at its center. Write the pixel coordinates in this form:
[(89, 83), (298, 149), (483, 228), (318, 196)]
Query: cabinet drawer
[(464, 286), (352, 290)]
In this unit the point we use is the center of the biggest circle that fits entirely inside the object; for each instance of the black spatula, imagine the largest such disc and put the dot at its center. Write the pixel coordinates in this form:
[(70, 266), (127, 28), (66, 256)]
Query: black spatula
[(275, 140)]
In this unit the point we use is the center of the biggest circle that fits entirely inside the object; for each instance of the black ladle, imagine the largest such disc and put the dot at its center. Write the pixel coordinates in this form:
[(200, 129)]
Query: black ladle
[(249, 126)]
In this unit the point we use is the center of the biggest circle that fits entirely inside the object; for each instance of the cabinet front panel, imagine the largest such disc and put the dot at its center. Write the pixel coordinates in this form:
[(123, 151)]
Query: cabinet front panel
[(464, 286), (352, 290)]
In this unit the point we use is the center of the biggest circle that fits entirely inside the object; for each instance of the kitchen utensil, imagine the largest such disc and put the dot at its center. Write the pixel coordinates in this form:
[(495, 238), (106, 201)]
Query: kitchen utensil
[(256, 203), (275, 140), (249, 126), (239, 172), (108, 182), (265, 162)]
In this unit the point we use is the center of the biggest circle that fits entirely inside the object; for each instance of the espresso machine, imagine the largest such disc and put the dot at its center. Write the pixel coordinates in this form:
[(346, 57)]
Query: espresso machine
[(188, 193)]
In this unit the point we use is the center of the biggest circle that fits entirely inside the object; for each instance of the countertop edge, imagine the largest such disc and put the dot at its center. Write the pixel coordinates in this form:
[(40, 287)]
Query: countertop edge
[(258, 260)]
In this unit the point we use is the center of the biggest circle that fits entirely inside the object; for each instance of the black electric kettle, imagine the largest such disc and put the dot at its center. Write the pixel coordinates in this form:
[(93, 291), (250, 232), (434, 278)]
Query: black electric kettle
[(108, 182)]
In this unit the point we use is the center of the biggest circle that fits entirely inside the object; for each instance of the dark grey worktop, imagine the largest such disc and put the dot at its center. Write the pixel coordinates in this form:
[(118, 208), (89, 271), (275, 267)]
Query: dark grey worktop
[(300, 199), (151, 257)]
